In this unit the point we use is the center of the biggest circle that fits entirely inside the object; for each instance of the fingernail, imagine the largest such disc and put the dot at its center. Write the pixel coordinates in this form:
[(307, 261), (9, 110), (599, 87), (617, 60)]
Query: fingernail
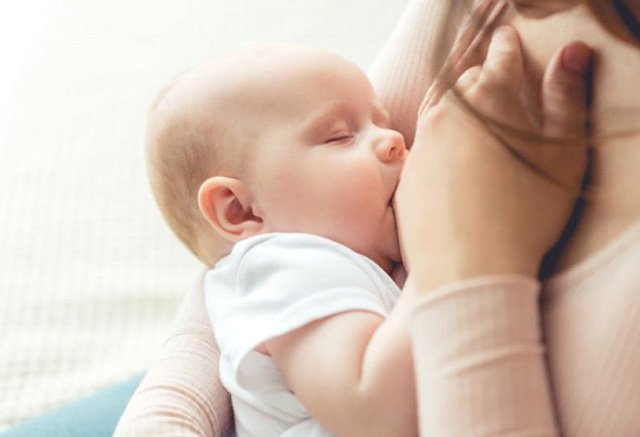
[(576, 58)]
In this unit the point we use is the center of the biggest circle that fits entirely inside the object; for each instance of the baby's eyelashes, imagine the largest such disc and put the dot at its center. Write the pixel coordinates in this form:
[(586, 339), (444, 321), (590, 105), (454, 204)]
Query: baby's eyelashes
[(339, 138)]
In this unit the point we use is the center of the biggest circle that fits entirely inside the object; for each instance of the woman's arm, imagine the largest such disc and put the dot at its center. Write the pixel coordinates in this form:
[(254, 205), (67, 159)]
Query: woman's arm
[(182, 394), (493, 175), (404, 68), (480, 362), (478, 207)]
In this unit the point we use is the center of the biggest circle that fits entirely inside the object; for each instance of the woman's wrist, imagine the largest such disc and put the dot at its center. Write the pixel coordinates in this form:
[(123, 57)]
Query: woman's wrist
[(442, 272)]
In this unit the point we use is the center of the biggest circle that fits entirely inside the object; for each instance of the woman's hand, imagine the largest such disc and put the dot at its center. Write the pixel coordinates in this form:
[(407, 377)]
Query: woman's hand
[(478, 198)]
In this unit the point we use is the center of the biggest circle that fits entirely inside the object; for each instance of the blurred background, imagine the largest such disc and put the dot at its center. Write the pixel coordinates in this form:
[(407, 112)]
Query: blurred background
[(90, 275)]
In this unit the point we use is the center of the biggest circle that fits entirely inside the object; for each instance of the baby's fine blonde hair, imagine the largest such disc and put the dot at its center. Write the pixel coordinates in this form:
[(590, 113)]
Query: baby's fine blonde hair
[(185, 145)]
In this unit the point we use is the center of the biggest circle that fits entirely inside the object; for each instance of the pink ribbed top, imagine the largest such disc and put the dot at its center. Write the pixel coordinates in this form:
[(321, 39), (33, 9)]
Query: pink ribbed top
[(499, 356)]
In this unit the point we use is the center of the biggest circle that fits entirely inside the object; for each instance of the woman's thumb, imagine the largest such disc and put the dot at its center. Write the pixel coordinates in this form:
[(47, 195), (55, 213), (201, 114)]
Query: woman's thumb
[(566, 92)]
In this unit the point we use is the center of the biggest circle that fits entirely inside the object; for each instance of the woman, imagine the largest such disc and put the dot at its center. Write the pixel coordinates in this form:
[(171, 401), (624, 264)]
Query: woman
[(180, 395), (480, 335)]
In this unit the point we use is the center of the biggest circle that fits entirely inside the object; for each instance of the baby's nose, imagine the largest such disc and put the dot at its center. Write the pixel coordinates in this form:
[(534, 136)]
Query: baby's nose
[(391, 147)]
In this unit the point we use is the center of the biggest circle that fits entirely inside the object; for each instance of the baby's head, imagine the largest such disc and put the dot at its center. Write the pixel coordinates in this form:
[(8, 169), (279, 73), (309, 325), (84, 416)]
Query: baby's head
[(275, 139)]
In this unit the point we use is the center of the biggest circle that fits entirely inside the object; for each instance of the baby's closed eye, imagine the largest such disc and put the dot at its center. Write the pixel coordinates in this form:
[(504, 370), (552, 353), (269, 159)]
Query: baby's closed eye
[(339, 137)]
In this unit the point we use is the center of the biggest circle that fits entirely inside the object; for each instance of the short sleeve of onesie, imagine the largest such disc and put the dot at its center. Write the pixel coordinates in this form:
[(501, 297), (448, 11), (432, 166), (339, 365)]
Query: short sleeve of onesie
[(275, 283)]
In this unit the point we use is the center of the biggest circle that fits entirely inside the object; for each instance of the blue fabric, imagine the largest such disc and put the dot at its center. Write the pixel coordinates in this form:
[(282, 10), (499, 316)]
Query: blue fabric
[(96, 415)]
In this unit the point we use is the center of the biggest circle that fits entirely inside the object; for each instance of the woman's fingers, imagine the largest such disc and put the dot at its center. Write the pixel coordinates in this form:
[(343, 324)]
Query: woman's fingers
[(468, 79), (472, 44), (565, 92), (504, 65), (469, 48), (503, 61), (495, 89)]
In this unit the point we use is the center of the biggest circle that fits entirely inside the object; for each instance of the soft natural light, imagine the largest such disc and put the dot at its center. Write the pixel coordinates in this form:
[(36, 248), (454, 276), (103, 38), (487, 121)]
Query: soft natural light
[(21, 25)]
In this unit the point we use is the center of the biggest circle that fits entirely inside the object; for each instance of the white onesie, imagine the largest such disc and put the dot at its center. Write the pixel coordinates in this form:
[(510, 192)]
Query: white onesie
[(270, 285)]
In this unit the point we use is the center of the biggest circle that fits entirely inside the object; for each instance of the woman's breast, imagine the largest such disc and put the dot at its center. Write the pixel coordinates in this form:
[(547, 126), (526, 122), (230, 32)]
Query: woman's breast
[(590, 319)]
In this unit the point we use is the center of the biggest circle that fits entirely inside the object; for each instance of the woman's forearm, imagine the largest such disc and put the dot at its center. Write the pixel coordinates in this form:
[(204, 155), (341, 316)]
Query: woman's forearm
[(480, 360), (182, 393)]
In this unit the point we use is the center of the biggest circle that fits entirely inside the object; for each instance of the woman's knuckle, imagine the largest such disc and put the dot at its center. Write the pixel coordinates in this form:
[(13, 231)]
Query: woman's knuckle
[(483, 89), (436, 114)]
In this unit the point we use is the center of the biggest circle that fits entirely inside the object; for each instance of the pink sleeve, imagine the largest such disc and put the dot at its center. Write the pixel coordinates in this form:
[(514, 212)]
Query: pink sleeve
[(182, 394), (404, 68), (480, 360)]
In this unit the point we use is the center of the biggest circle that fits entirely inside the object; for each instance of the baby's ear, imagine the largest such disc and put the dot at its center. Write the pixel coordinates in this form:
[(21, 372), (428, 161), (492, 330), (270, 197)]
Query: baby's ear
[(225, 202)]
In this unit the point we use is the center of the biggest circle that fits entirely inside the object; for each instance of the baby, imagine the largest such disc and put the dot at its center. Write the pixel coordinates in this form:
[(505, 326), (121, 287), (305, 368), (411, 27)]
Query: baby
[(277, 167)]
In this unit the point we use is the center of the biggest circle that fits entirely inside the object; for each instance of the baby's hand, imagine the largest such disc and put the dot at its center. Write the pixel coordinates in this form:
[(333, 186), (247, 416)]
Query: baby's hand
[(491, 193)]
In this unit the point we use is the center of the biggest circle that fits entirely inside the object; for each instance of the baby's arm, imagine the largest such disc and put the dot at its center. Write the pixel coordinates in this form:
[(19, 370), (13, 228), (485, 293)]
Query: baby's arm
[(353, 371)]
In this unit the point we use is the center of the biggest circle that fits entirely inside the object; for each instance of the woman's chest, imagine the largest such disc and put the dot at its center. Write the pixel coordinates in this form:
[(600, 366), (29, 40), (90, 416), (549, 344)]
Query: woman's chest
[(592, 337)]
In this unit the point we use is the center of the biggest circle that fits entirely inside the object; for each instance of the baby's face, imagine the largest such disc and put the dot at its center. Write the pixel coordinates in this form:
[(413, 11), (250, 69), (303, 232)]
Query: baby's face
[(326, 161)]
